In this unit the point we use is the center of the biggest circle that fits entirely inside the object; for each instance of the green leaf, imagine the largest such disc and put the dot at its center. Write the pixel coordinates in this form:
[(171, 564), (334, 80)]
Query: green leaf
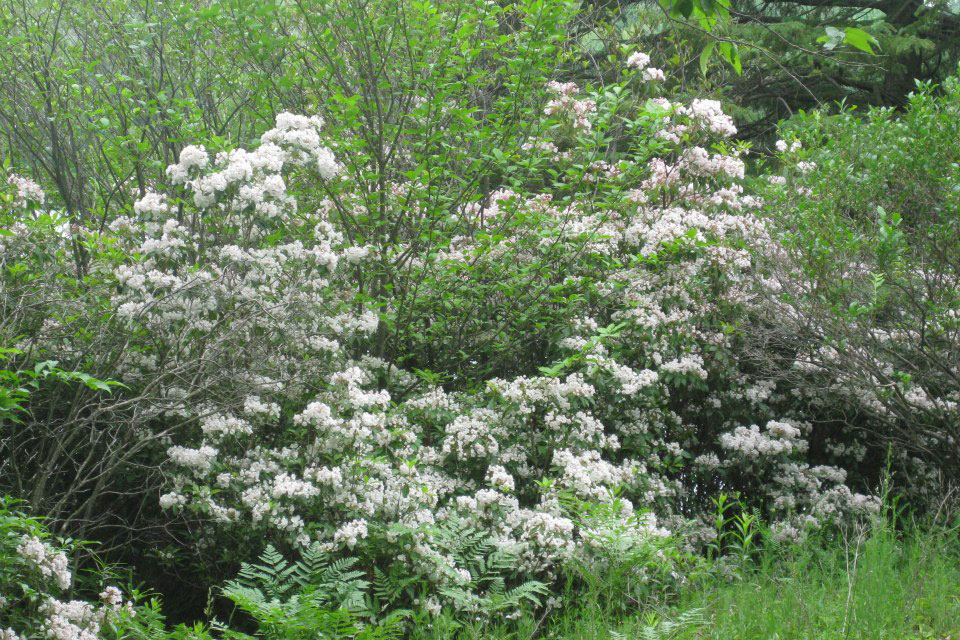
[(859, 39), (731, 54), (46, 365), (705, 56), (681, 8)]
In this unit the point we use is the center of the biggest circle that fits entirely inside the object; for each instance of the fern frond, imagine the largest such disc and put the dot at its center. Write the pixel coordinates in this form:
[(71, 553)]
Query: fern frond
[(273, 574)]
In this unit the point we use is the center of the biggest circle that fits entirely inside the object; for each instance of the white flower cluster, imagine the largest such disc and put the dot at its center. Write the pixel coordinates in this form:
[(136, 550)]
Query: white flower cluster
[(253, 179), (641, 61), (200, 460), (792, 147), (779, 438), (709, 115), (500, 479), (638, 60), (27, 190), (565, 104), (351, 532), (300, 135), (51, 563), (219, 424), (172, 500), (691, 364), (151, 204), (587, 474), (73, 620)]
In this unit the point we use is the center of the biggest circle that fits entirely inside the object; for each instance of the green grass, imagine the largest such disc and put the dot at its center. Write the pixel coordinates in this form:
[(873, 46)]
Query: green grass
[(865, 584), (862, 583)]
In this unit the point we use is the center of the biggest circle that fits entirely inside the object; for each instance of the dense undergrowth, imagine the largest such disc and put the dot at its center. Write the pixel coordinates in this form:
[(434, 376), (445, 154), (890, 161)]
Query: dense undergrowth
[(874, 579), (470, 343)]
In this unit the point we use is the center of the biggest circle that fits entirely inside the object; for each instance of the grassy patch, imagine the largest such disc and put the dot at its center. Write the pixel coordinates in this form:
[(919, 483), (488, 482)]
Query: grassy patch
[(861, 583)]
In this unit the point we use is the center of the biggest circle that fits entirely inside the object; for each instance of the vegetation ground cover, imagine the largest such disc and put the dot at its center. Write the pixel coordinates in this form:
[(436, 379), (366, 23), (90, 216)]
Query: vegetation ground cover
[(473, 319)]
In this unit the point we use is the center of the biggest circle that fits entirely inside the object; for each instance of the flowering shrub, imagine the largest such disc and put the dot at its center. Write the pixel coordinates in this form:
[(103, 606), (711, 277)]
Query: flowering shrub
[(370, 465), (246, 340), (861, 318), (35, 580), (338, 343)]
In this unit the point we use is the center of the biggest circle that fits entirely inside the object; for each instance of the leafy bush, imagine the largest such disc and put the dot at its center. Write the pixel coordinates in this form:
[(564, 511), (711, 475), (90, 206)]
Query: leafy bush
[(469, 323), (863, 316), (36, 580), (316, 595)]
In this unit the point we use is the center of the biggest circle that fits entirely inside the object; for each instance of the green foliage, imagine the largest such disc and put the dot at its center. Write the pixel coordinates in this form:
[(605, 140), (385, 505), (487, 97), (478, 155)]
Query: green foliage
[(866, 581), (487, 592), (327, 581), (436, 108), (654, 628), (17, 385), (852, 36), (869, 216), (315, 595)]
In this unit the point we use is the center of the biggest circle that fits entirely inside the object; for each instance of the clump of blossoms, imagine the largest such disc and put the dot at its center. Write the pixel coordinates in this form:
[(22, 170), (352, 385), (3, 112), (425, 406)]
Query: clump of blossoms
[(565, 105), (27, 191), (252, 183), (641, 62), (629, 419), (223, 302), (281, 296), (35, 574), (51, 563), (248, 337)]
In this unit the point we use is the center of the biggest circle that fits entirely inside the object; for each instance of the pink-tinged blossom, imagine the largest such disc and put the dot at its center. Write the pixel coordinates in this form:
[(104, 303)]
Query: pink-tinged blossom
[(576, 110), (27, 190), (638, 60), (50, 562), (651, 74)]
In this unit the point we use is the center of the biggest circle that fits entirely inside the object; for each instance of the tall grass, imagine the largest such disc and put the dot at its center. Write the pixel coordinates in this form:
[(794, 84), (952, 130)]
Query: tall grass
[(867, 581), (864, 582)]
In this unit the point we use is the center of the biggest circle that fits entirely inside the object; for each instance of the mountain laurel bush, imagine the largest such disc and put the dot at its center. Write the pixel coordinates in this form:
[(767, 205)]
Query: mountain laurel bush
[(467, 375)]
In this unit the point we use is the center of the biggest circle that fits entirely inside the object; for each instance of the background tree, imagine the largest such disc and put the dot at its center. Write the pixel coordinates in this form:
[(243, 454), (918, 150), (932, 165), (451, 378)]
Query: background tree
[(796, 54)]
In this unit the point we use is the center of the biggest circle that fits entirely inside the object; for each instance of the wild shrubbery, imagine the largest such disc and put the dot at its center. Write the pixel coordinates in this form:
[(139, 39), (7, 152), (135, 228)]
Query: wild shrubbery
[(469, 323), (864, 324)]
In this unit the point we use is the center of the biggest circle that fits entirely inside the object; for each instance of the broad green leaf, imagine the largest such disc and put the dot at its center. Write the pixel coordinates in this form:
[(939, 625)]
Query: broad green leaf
[(681, 8), (705, 56), (859, 39), (732, 55)]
